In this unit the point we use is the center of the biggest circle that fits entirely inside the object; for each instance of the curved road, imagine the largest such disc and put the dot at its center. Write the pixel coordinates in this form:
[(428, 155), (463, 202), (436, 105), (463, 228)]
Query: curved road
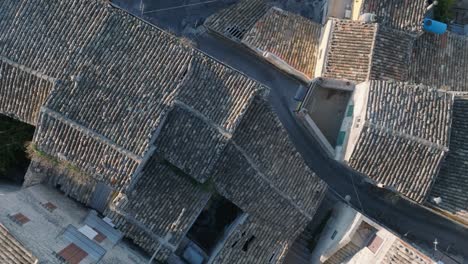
[(417, 224)]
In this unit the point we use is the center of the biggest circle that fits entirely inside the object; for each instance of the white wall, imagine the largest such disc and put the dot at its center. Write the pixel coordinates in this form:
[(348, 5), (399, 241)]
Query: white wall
[(352, 126), (344, 221)]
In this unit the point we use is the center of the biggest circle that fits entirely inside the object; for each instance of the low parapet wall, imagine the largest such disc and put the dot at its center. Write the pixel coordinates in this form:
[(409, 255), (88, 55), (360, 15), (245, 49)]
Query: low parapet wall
[(315, 131)]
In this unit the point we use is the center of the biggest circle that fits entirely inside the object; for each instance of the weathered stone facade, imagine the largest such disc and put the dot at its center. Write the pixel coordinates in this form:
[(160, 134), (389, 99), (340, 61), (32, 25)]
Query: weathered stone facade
[(73, 183)]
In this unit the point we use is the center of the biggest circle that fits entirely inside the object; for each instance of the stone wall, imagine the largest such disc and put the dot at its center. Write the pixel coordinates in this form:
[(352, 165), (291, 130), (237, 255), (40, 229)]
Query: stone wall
[(72, 183)]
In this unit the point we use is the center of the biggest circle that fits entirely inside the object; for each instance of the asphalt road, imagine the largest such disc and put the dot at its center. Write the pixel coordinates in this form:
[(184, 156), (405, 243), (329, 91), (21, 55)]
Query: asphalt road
[(413, 222), (420, 225)]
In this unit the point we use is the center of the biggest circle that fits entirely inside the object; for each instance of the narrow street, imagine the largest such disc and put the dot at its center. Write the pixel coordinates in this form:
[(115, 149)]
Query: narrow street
[(417, 224), (420, 225)]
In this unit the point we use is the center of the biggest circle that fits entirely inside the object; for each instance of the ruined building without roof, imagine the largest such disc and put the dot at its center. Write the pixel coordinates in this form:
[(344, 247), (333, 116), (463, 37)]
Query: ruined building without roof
[(160, 127)]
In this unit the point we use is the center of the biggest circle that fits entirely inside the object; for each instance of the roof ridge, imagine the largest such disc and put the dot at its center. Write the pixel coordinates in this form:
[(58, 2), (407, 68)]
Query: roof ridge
[(88, 132), (202, 117), (28, 70), (265, 179), (403, 135), (195, 51), (371, 55), (164, 241)]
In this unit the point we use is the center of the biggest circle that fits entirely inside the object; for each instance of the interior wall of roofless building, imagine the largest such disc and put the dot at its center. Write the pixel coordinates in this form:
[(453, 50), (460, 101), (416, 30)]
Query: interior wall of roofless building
[(210, 230), (14, 159)]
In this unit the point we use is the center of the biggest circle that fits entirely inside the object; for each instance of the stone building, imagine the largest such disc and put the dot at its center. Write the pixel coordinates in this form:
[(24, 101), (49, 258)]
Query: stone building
[(352, 238), (379, 54), (400, 15), (287, 40), (399, 135), (440, 61), (152, 133), (341, 49), (393, 47), (358, 52)]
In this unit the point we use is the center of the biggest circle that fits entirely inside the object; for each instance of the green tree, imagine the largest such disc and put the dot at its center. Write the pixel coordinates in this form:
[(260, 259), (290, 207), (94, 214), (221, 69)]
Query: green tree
[(443, 10)]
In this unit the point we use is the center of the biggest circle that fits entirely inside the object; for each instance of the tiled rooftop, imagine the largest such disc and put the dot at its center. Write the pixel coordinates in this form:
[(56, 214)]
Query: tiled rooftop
[(440, 61), (289, 36), (23, 92), (235, 21), (163, 196), (391, 55), (400, 15), (452, 182), (405, 136), (350, 49), (403, 253), (103, 118), (11, 251)]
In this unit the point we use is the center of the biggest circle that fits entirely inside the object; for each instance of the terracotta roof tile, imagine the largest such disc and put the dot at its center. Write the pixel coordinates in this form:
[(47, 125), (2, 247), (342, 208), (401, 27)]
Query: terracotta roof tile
[(235, 21), (291, 37), (23, 91), (402, 253), (350, 50), (162, 197), (452, 182), (405, 137), (438, 64), (11, 251), (397, 14)]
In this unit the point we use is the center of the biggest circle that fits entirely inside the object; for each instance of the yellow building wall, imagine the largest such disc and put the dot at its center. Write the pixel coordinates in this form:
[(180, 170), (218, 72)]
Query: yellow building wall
[(356, 12)]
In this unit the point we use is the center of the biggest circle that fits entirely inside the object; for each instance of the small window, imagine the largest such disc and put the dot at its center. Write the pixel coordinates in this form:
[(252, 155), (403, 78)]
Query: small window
[(334, 234)]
